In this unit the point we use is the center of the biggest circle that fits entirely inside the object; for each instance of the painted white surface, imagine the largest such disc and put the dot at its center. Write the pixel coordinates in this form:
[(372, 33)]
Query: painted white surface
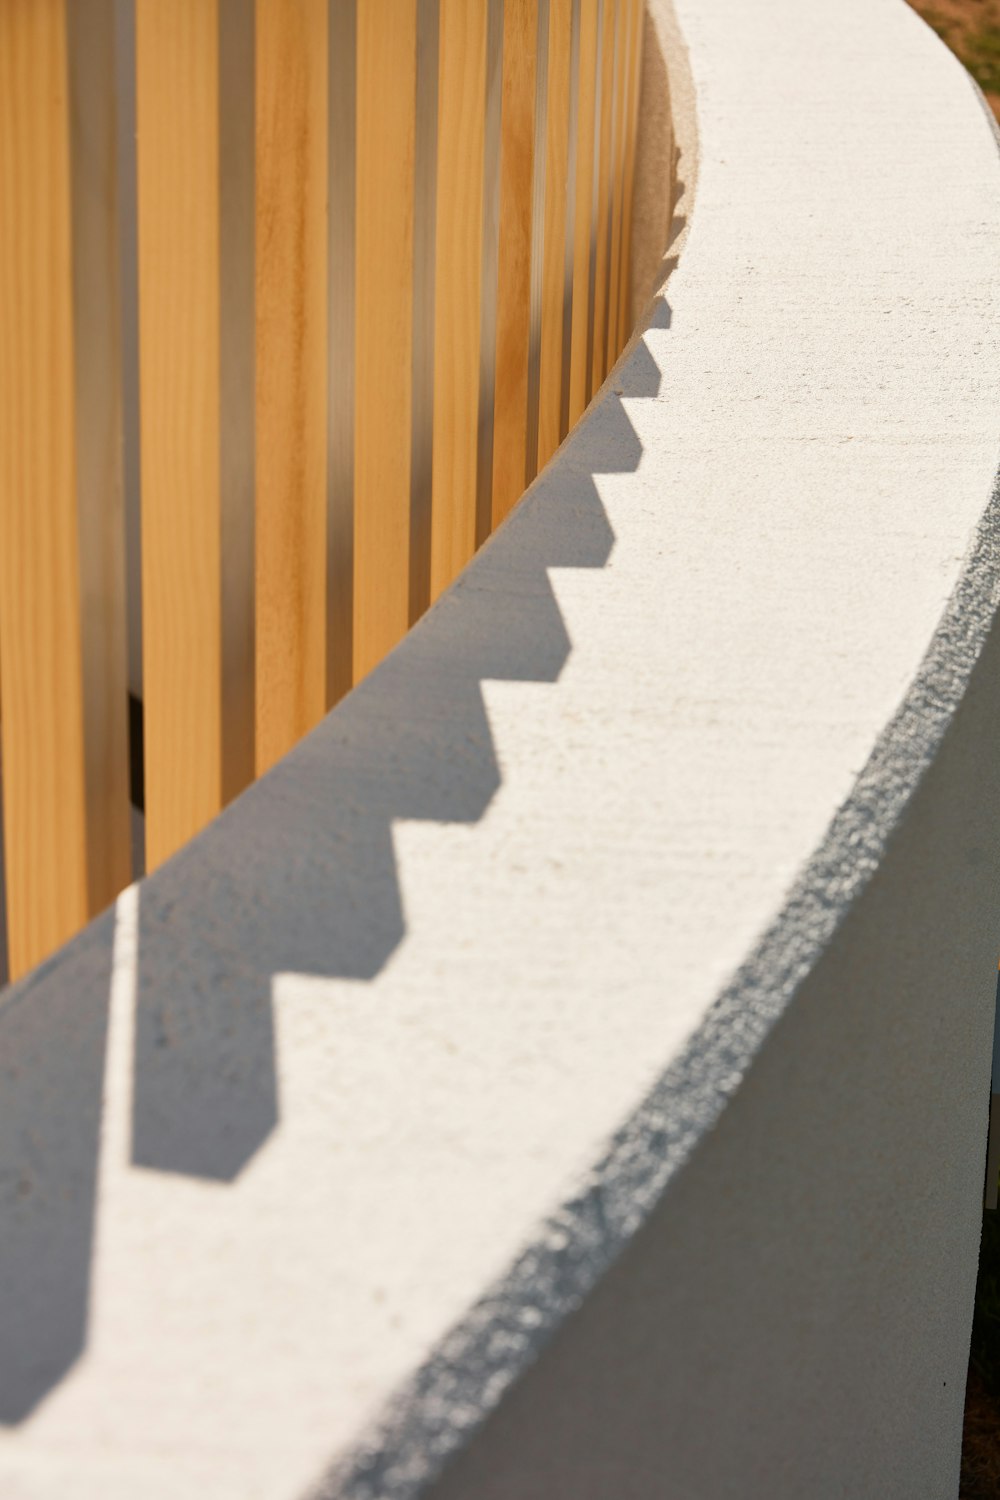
[(330, 1125)]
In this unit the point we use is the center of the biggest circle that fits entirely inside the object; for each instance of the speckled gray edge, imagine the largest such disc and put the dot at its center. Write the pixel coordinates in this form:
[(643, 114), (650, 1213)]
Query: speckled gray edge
[(463, 1381), (436, 1413)]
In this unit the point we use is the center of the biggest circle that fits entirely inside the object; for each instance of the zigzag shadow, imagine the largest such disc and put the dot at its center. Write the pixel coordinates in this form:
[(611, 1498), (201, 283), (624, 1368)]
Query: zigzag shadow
[(313, 841), (303, 870), (52, 1045)]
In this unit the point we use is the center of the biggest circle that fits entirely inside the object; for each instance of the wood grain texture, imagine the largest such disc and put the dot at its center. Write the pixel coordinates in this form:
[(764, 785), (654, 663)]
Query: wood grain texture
[(584, 210), (97, 353), (622, 42), (341, 167), (291, 378), (236, 389), (553, 271), (386, 81), (625, 313), (40, 648), (177, 108), (425, 143), (488, 279), (602, 208), (458, 276), (510, 412)]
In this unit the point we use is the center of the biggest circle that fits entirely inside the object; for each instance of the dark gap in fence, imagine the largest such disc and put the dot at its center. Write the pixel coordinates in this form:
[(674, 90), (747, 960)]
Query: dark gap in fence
[(136, 774)]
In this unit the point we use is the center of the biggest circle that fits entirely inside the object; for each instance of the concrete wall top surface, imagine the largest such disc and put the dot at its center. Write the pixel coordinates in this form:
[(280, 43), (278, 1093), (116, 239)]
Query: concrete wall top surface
[(315, 1139)]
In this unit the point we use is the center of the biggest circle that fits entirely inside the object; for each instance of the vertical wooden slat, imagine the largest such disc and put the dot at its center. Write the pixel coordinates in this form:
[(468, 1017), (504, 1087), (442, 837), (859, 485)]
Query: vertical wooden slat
[(626, 311), (488, 279), (97, 352), (520, 28), (579, 349), (569, 249), (553, 275), (424, 278), (129, 300), (595, 196), (40, 647), (458, 277), (622, 43), (177, 113), (236, 389), (386, 80), (602, 207), (291, 377), (537, 271), (342, 154)]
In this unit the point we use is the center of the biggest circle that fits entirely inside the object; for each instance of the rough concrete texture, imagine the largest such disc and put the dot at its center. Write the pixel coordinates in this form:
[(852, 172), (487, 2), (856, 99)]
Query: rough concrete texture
[(565, 1075)]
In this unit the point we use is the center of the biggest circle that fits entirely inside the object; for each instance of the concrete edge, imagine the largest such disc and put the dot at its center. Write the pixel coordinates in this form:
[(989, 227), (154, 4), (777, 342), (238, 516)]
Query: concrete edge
[(457, 1389), (436, 1414)]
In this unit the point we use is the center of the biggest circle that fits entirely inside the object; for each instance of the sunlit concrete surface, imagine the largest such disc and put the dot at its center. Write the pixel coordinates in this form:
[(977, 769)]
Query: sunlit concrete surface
[(566, 1074)]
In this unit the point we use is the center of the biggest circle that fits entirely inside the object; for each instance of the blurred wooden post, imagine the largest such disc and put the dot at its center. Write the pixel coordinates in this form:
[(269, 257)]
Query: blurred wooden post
[(194, 111), (622, 43), (342, 132), (62, 660), (489, 268), (602, 202), (557, 154), (97, 350), (584, 211), (291, 215), (237, 366), (177, 113), (386, 84), (634, 80), (517, 144), (458, 252)]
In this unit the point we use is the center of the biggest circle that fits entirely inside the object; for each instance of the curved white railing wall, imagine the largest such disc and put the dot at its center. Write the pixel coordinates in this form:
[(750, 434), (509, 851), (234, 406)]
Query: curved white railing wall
[(566, 1072)]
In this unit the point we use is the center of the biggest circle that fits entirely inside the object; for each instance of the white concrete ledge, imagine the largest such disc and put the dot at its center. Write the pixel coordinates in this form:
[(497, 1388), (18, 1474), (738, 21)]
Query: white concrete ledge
[(565, 1075)]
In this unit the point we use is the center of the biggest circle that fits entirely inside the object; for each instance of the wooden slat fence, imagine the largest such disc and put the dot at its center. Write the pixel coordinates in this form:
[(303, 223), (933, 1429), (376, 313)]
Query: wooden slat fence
[(383, 261)]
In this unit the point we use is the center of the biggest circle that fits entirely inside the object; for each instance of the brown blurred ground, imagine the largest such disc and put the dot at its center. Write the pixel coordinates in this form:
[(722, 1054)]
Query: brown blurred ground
[(981, 1437), (980, 1442), (971, 29)]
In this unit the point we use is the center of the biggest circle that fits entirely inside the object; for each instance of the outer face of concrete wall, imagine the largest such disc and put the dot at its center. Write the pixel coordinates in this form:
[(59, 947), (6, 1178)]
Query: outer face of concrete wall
[(566, 1073), (793, 1317)]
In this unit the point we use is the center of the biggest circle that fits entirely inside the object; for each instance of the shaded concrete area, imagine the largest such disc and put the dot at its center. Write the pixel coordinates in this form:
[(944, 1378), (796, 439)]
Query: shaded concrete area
[(607, 925), (413, 744), (314, 890), (52, 1044)]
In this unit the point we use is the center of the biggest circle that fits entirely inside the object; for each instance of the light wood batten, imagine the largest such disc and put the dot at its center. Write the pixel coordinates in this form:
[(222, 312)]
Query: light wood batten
[(602, 203), (387, 42), (41, 718), (520, 26), (586, 107), (461, 127), (291, 374), (557, 136), (177, 113)]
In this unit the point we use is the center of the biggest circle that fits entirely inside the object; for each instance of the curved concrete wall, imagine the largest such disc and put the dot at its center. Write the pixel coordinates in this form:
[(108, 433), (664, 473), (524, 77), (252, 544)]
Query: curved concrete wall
[(566, 1073)]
